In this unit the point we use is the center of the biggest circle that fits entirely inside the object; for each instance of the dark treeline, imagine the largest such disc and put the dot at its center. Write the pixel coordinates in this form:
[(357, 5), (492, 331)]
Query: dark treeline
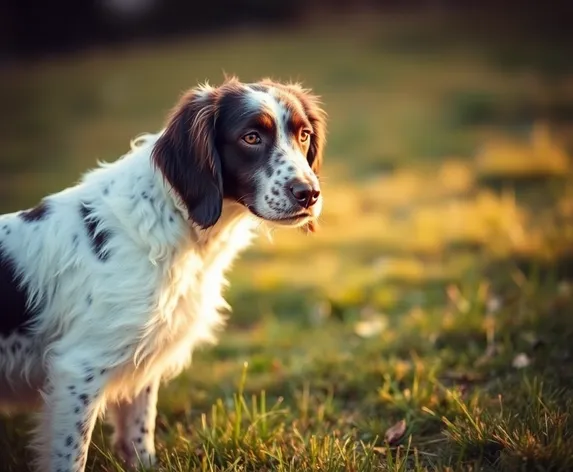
[(31, 28)]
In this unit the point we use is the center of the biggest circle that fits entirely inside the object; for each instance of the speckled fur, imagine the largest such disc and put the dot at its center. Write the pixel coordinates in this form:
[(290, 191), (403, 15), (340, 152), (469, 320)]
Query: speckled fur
[(124, 286)]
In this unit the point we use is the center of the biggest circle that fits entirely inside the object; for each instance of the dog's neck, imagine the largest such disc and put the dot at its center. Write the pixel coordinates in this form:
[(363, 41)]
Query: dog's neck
[(236, 223)]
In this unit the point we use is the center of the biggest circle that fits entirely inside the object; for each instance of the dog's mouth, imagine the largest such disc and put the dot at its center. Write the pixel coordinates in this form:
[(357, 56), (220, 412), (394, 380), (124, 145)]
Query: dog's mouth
[(292, 220), (296, 219)]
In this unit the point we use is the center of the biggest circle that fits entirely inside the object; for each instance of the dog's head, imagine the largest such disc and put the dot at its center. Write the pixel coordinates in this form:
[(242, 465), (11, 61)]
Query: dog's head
[(257, 144)]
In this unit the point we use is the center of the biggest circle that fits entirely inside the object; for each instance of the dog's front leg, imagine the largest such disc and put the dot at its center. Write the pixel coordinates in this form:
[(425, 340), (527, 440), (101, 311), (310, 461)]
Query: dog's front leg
[(134, 426), (73, 399)]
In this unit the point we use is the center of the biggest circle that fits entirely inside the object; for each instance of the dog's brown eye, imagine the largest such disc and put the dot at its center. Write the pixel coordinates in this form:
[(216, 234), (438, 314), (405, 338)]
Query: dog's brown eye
[(252, 138), (304, 135)]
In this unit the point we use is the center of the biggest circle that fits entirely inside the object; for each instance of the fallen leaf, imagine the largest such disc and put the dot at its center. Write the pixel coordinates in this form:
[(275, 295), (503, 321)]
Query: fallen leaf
[(371, 327), (395, 433), (521, 361)]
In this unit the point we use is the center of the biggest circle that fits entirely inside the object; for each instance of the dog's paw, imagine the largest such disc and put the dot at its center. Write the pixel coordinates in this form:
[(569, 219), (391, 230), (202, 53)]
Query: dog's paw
[(134, 455)]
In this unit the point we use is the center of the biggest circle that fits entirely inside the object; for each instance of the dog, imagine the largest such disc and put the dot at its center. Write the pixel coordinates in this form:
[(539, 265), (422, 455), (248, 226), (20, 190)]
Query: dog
[(107, 287)]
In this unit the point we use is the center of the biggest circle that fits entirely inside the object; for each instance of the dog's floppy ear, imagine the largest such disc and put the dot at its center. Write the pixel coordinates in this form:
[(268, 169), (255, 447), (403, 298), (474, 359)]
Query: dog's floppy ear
[(317, 117), (186, 155)]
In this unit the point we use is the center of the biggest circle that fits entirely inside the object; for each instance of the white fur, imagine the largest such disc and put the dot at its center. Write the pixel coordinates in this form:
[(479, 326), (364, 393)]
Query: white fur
[(127, 321), (107, 332)]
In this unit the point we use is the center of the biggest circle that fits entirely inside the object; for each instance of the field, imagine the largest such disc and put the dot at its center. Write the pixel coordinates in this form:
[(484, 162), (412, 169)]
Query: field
[(427, 325)]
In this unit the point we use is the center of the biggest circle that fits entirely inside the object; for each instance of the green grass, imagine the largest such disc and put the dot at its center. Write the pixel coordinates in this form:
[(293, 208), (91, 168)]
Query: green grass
[(444, 253)]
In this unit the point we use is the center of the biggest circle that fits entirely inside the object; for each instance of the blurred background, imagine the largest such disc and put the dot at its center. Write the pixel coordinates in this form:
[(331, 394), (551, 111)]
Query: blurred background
[(448, 165)]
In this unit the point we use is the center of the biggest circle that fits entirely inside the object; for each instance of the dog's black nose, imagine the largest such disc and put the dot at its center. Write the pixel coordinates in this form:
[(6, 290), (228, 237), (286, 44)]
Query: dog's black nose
[(304, 193)]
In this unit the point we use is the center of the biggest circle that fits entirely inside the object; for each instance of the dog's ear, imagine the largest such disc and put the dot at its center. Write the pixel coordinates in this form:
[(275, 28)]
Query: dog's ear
[(317, 117), (186, 155)]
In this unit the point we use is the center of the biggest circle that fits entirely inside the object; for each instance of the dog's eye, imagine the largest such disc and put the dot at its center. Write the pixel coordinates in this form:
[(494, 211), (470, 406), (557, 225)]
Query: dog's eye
[(252, 138), (304, 135)]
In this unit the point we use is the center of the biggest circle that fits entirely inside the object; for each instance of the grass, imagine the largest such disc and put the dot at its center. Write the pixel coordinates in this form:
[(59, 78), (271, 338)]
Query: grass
[(437, 292)]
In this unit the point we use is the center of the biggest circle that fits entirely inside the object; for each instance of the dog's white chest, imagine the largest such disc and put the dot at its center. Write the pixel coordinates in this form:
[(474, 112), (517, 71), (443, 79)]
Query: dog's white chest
[(189, 304)]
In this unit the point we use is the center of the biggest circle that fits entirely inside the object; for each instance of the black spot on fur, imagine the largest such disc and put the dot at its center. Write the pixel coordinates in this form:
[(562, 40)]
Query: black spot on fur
[(290, 168), (37, 213), (278, 172), (68, 457), (89, 378), (144, 195), (15, 314), (75, 241), (84, 398), (139, 440), (69, 441), (89, 300), (148, 390), (103, 371), (144, 430), (106, 190), (77, 409), (275, 191), (98, 237), (72, 388)]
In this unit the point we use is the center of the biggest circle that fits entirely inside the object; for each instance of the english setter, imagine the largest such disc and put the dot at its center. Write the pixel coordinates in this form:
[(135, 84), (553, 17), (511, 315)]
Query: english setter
[(107, 287)]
